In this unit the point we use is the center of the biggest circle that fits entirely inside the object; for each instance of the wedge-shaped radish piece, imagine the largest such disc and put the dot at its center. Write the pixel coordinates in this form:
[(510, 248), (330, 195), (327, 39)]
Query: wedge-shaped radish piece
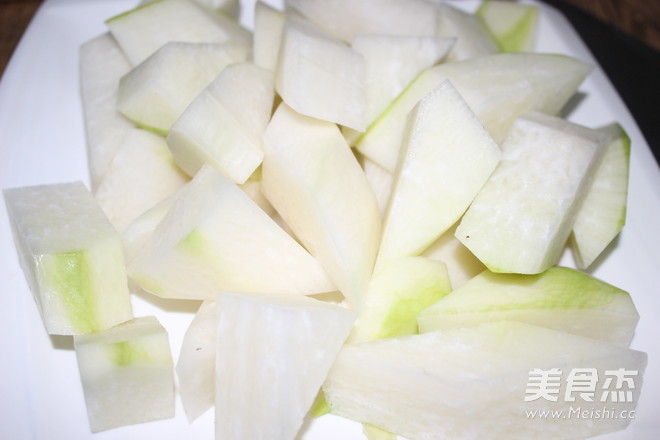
[(485, 382), (521, 219), (392, 62), (472, 38), (142, 31), (315, 183), (127, 374), (140, 229), (141, 174), (397, 293), (71, 256), (347, 18), (216, 238), (462, 265), (380, 181), (102, 64), (446, 159), (512, 25), (223, 126), (559, 298), (498, 88), (273, 354), (320, 76), (268, 29), (195, 368), (155, 93), (603, 212)]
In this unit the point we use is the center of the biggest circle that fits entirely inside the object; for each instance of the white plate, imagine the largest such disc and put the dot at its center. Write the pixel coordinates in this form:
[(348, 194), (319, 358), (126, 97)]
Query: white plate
[(42, 141)]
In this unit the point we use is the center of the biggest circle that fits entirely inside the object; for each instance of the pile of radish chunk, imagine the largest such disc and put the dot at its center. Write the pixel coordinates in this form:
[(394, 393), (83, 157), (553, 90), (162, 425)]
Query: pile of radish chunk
[(368, 199)]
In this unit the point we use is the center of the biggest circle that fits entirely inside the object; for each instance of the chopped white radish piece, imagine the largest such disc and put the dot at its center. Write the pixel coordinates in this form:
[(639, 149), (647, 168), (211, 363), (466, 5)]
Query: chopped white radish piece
[(224, 125), (71, 256), (560, 298), (142, 31), (522, 218), (315, 183), (268, 29), (380, 181), (512, 25), (319, 76), (446, 158), (273, 354), (127, 374), (603, 211), (102, 64), (252, 187), (214, 238), (230, 8), (141, 174), (485, 382), (140, 229), (195, 368), (462, 265), (472, 38), (347, 18), (392, 62), (155, 93)]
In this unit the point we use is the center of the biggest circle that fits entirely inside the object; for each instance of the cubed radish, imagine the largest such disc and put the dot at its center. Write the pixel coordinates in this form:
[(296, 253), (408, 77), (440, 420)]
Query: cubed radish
[(71, 256), (127, 374)]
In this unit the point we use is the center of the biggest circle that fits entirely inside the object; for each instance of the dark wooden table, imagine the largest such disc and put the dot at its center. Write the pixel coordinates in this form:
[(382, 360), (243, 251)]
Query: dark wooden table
[(639, 18)]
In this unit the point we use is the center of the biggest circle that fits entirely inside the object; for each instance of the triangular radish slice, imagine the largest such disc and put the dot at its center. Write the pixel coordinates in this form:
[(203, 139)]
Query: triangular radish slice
[(215, 237)]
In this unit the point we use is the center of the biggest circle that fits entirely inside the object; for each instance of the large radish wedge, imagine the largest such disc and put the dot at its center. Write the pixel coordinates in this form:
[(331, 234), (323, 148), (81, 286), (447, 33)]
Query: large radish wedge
[(559, 298), (214, 238), (273, 354), (155, 93), (142, 31), (71, 256), (486, 382), (521, 219), (603, 211), (315, 183), (446, 158), (498, 88), (127, 374)]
